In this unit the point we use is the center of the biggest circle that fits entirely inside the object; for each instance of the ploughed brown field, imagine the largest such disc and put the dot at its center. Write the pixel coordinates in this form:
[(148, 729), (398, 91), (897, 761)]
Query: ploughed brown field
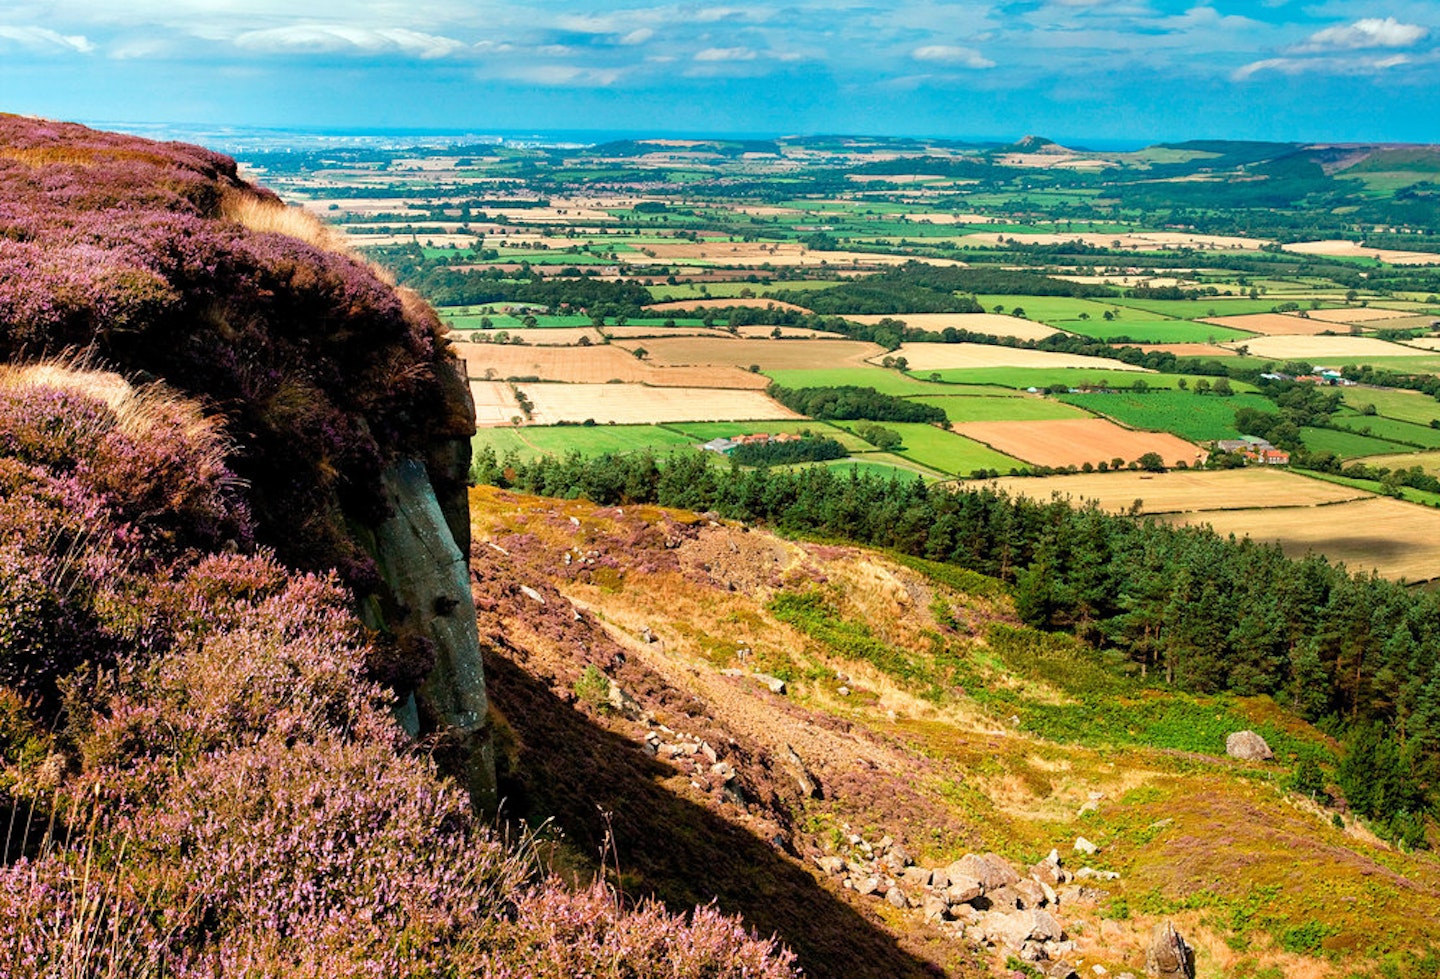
[(1317, 349), (769, 354), (638, 404), (598, 365), (1078, 441), (1272, 324), (1363, 314), (1182, 491)]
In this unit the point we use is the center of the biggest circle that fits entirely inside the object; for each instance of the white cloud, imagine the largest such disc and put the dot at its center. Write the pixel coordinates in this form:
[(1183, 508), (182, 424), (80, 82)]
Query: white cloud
[(726, 54), (337, 38), (638, 36), (44, 39), (564, 75), (1362, 65), (950, 54), (1370, 32)]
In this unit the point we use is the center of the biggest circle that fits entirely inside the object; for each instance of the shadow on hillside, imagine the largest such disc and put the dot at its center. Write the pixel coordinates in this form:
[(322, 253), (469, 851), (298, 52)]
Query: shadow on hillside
[(571, 770)]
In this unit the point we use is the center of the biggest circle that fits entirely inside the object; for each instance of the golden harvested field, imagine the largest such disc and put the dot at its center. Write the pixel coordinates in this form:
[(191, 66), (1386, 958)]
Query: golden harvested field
[(1182, 491), (1423, 343), (494, 403), (953, 356), (1341, 349), (636, 404), (778, 355), (759, 302), (596, 365), (1076, 442), (992, 323), (1272, 324), (1351, 249), (1361, 314), (1397, 539), (559, 336), (1428, 461), (788, 332)]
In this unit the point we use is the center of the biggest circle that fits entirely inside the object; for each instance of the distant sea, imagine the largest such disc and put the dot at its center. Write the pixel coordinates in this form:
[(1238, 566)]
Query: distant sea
[(242, 139)]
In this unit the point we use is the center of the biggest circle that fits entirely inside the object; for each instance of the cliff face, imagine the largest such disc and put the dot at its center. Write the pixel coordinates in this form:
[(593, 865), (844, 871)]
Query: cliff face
[(348, 418)]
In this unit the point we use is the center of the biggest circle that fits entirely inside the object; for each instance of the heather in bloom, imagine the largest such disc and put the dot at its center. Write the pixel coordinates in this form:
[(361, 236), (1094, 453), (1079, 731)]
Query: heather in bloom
[(203, 779)]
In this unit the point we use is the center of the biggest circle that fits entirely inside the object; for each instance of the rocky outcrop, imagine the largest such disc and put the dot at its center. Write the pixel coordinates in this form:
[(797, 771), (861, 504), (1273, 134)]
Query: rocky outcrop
[(980, 897), (1168, 956), (428, 578), (1248, 746)]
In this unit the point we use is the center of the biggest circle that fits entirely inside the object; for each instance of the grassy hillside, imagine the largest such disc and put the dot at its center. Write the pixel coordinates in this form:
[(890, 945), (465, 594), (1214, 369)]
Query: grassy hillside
[(924, 711)]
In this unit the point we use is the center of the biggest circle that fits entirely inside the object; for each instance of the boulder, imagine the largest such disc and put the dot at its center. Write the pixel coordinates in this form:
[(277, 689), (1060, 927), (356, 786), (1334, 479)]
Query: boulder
[(897, 898), (963, 890), (936, 908), (1248, 746), (1082, 845), (1031, 894), (990, 870), (916, 877), (1168, 956), (834, 866), (1015, 928)]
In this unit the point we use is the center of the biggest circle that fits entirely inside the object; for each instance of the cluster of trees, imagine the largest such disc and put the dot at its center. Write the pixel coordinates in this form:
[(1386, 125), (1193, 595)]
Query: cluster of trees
[(1185, 606), (774, 453), (849, 402), (917, 287)]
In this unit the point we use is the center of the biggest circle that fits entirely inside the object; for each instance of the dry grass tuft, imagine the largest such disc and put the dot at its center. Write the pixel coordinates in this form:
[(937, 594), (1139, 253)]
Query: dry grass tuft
[(272, 217)]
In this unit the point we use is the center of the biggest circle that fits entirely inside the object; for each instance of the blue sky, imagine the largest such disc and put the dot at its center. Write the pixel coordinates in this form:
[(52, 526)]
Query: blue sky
[(1072, 69)]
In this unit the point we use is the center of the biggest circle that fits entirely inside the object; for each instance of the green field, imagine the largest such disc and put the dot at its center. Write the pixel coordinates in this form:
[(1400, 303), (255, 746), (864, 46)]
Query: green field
[(980, 409), (945, 451), (1194, 309), (866, 467), (705, 431), (1410, 406), (1407, 493), (536, 440), (1184, 413), (884, 381), (1157, 331), (1393, 429), (1346, 445), (1050, 309), (1040, 377)]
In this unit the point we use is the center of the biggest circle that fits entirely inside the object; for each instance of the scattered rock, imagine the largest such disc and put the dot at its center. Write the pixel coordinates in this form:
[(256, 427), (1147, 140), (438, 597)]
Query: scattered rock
[(868, 885), (532, 594), (897, 898), (834, 866), (775, 684), (916, 876), (1248, 746), (1082, 845), (807, 782), (622, 701), (1168, 956)]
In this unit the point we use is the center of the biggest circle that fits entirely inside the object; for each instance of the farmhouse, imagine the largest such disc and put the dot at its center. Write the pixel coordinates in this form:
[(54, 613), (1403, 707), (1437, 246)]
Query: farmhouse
[(1254, 449), (724, 446)]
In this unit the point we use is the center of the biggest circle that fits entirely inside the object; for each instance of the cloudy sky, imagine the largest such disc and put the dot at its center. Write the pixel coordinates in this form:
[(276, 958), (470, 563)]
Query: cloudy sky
[(1106, 70)]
